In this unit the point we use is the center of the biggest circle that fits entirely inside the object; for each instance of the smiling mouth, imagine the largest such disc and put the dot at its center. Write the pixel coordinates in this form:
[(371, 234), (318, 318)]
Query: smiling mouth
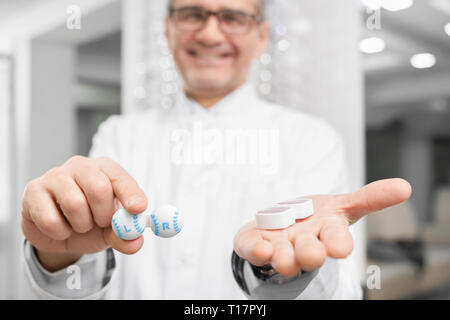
[(209, 58)]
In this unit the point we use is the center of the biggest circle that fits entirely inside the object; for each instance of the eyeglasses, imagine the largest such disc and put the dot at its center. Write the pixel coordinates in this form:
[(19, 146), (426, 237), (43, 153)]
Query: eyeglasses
[(232, 22)]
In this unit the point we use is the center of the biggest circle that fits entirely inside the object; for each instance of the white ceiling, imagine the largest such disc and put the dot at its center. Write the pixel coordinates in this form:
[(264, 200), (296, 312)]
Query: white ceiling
[(394, 89), (417, 29), (10, 7)]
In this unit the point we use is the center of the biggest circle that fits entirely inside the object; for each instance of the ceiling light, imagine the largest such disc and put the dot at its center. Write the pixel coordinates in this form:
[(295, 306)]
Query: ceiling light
[(372, 4), (397, 5), (372, 45), (441, 5), (447, 29), (391, 5), (423, 60)]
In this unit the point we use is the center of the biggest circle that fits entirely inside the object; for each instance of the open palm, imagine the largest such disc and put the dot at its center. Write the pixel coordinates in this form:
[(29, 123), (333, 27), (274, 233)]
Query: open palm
[(306, 244)]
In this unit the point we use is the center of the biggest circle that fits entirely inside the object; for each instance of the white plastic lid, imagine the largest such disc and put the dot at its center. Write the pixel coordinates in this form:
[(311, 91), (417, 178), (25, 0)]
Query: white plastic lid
[(275, 218), (303, 207)]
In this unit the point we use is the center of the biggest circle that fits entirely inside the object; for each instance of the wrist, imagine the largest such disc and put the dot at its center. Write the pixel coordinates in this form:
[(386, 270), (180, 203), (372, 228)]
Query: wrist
[(56, 261)]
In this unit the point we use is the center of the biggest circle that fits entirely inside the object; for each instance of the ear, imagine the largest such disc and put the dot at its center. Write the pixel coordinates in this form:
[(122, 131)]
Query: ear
[(167, 33), (263, 38)]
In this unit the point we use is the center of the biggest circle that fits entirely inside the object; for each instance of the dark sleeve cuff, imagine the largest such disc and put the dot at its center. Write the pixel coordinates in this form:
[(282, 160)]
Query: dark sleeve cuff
[(265, 283)]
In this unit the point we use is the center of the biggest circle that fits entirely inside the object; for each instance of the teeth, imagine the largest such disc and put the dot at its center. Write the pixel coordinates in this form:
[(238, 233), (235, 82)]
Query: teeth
[(207, 56), (210, 56)]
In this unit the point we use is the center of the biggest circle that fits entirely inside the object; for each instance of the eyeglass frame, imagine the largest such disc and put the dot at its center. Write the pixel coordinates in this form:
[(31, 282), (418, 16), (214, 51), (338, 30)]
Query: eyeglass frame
[(255, 17)]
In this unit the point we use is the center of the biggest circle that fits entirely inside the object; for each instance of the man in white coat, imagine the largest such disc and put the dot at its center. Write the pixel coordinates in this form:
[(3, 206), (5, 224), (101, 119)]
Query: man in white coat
[(219, 155)]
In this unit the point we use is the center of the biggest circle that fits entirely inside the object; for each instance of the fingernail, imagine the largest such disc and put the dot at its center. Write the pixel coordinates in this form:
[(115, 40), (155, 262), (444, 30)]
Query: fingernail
[(136, 200)]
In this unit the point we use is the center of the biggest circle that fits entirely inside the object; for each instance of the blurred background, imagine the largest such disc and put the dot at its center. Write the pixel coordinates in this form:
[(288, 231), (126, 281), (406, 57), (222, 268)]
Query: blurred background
[(378, 71)]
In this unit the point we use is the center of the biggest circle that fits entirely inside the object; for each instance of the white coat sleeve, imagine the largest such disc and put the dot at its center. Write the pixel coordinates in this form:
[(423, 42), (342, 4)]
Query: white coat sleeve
[(92, 275), (88, 278)]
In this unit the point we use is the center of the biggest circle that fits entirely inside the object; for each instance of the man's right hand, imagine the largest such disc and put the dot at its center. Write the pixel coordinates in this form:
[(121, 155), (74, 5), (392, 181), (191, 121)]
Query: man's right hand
[(67, 212)]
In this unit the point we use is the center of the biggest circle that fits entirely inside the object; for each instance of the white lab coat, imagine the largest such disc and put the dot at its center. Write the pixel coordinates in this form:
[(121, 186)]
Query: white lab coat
[(186, 156)]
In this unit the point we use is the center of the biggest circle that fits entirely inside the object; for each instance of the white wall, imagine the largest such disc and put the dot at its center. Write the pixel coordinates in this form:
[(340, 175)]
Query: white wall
[(5, 164), (52, 130), (43, 126), (50, 17), (5, 134)]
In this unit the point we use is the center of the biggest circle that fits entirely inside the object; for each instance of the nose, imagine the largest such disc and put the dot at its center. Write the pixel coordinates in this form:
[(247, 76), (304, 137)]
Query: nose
[(210, 34)]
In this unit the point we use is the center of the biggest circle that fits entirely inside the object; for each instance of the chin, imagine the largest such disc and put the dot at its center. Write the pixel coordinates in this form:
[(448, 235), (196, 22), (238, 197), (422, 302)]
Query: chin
[(209, 83)]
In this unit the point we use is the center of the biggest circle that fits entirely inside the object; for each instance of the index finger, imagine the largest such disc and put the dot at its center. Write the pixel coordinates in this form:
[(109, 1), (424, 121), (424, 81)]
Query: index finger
[(125, 188)]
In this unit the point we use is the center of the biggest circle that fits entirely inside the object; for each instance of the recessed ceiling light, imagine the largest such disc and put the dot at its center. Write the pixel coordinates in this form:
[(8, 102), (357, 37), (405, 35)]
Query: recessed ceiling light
[(441, 5), (372, 45), (391, 5), (397, 5), (372, 4), (447, 29), (423, 60)]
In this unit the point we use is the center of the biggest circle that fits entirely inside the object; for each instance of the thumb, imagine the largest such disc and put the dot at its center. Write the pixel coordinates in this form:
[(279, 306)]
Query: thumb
[(375, 196)]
